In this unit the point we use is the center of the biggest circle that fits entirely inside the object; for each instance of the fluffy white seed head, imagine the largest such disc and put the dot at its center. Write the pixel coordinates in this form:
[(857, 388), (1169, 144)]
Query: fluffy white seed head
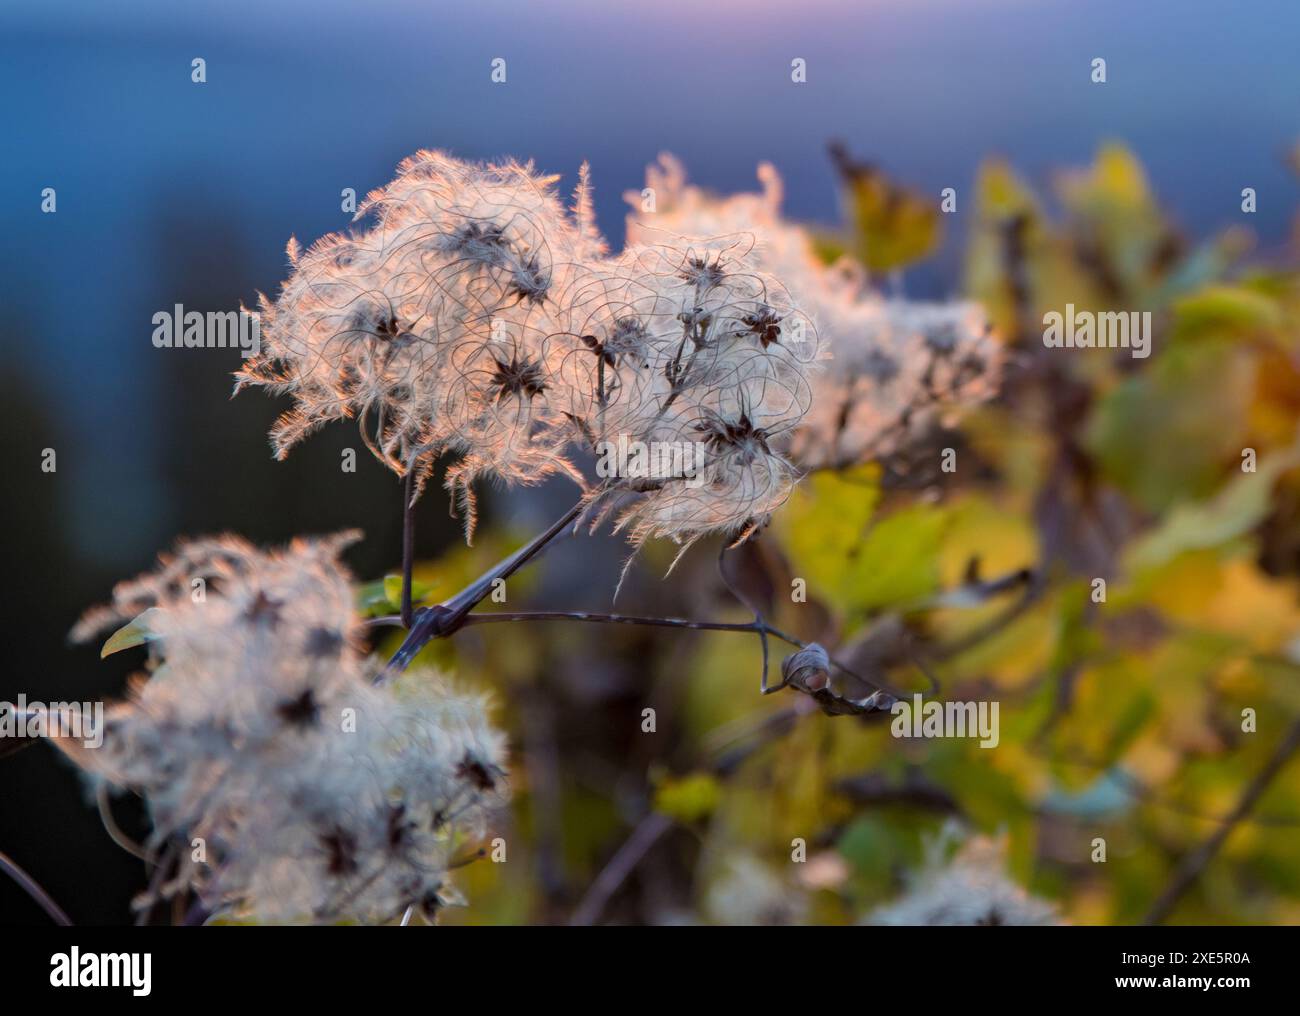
[(971, 888), (692, 346), (900, 368), (475, 317), (431, 326), (897, 366), (750, 893), (292, 787)]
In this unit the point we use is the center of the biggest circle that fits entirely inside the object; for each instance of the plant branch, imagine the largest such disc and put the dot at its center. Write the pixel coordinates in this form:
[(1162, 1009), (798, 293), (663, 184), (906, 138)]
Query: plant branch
[(445, 618), (424, 631), (408, 544), (648, 832), (34, 890), (111, 827), (757, 626), (653, 825), (584, 615), (163, 867), (1195, 862)]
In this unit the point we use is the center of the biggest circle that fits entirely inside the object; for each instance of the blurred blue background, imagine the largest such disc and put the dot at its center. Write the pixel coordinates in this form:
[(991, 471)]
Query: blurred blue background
[(174, 192), (162, 182)]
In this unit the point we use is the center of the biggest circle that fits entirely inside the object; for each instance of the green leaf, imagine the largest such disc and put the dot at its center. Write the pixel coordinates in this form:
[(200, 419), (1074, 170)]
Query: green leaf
[(1163, 435), (825, 519), (689, 798), (1232, 310), (855, 563), (893, 226), (384, 596), (372, 599), (898, 562), (136, 633), (1241, 505), (393, 590)]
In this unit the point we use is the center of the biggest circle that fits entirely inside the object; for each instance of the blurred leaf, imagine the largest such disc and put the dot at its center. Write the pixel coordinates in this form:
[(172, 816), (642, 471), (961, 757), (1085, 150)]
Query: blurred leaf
[(136, 633), (1115, 181), (1234, 310), (899, 559), (384, 596), (1237, 508), (1011, 256), (393, 590), (689, 798), (1209, 261), (1119, 236), (1165, 435), (823, 523), (1108, 796), (828, 246), (892, 226), (372, 598), (875, 848)]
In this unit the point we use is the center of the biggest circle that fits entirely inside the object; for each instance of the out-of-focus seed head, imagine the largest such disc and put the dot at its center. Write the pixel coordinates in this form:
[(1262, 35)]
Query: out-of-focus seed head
[(897, 367), (259, 733), (970, 888)]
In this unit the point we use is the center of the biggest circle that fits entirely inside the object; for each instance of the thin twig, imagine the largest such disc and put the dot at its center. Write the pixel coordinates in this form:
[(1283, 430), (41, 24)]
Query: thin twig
[(163, 867), (723, 760), (408, 544), (757, 626), (445, 618), (469, 597), (493, 617), (34, 890), (1194, 863), (111, 827), (647, 833), (541, 757), (1129, 784)]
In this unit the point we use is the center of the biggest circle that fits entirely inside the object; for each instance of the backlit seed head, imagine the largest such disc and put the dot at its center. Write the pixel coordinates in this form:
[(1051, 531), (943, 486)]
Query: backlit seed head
[(476, 317)]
